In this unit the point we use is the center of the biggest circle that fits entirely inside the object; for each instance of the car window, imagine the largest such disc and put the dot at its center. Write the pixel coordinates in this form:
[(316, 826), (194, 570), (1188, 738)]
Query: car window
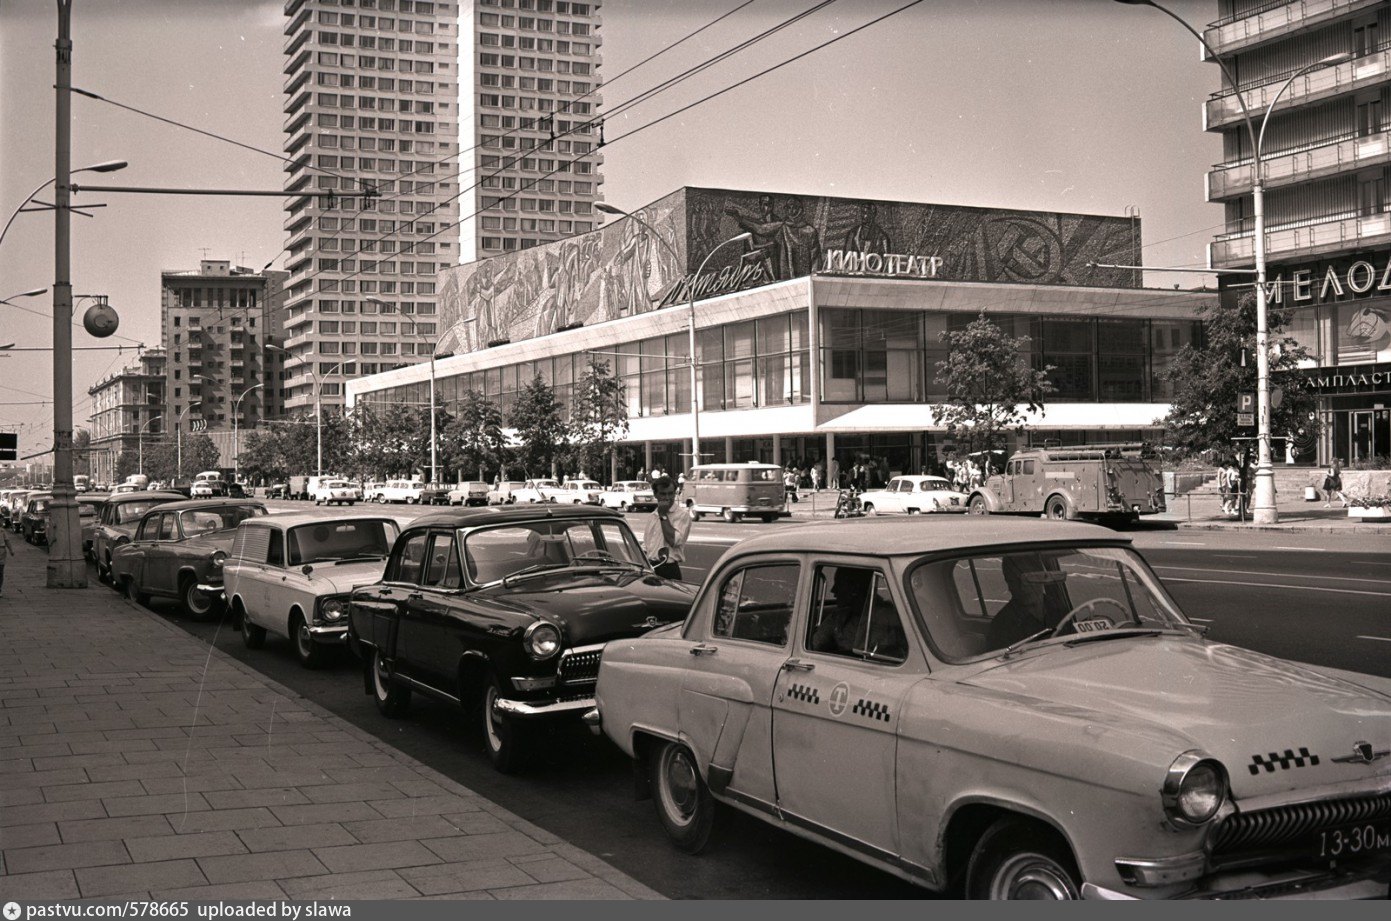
[(206, 520), (275, 550), (1028, 468), (982, 604), (755, 603), (149, 528), (329, 541), (496, 553), (443, 568), (168, 527), (853, 615), (410, 558)]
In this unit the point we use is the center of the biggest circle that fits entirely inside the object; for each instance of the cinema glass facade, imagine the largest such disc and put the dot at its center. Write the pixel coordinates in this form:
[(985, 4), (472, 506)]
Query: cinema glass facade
[(818, 337)]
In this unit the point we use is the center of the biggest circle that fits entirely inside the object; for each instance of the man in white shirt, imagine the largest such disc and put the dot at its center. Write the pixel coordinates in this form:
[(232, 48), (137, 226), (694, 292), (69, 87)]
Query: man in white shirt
[(664, 540)]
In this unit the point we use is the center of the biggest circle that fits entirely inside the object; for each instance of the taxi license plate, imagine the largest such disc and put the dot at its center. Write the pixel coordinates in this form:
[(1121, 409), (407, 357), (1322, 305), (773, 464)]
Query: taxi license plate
[(1352, 840)]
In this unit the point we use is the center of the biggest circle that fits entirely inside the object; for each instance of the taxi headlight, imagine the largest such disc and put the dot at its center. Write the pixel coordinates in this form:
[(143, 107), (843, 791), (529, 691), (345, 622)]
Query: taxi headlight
[(1194, 790), (334, 609), (542, 640), (219, 558)]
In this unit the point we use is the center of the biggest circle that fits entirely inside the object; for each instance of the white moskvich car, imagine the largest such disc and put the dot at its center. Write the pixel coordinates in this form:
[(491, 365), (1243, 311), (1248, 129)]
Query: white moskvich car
[(913, 495), (291, 575), (1002, 710)]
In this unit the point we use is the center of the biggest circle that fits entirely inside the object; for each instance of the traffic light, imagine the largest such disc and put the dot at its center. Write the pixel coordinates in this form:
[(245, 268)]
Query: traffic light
[(9, 446)]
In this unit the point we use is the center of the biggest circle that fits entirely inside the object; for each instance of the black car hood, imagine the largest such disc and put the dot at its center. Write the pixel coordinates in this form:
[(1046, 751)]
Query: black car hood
[(592, 606)]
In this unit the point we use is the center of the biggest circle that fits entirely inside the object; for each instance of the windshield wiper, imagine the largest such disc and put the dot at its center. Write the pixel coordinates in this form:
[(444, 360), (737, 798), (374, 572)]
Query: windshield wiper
[(604, 560), (1012, 647), (531, 570), (1124, 631), (356, 559)]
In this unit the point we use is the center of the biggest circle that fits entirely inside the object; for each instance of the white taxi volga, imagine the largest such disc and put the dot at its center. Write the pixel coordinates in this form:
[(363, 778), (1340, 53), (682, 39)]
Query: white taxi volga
[(1004, 710), (292, 575)]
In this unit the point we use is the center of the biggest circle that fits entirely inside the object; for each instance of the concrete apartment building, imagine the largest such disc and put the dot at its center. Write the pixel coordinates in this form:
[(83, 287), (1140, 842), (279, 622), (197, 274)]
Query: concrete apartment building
[(1327, 173), (221, 326), (127, 407), (372, 115), (530, 157)]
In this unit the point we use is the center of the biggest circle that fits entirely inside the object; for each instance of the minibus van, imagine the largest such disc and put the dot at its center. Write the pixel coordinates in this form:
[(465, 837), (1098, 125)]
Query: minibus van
[(733, 491)]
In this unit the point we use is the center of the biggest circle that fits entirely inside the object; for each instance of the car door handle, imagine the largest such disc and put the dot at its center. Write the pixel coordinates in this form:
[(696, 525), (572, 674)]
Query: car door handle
[(385, 591), (414, 596), (797, 665), (703, 649)]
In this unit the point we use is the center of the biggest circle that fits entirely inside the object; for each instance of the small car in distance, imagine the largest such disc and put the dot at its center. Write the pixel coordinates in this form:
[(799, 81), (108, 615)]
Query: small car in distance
[(178, 552), (506, 611), (34, 522), (534, 491), (505, 493), (579, 492), (629, 494), (472, 493), (913, 495), (335, 491), (1002, 709), (735, 491), (434, 494), (292, 575), (407, 491)]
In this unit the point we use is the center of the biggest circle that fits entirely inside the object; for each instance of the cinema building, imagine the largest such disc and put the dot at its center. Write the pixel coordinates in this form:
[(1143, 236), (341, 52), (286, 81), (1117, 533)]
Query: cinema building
[(818, 335)]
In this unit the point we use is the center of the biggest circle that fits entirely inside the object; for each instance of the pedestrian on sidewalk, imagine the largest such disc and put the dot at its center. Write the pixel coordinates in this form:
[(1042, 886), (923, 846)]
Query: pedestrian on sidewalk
[(5, 551), (664, 540), (1333, 485), (1228, 482)]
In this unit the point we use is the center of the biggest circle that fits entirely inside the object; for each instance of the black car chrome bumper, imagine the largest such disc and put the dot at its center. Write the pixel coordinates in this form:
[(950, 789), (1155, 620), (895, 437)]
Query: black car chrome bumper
[(528, 709)]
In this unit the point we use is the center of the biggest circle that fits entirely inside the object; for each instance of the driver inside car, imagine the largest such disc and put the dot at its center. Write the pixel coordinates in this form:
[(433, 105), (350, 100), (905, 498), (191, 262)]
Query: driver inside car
[(1038, 599)]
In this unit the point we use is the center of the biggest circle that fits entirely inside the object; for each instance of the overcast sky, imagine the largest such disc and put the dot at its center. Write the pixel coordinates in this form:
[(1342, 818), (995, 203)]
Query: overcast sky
[(1055, 105)]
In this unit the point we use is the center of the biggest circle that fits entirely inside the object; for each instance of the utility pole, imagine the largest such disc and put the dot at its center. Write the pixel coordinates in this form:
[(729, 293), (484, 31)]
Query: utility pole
[(66, 567)]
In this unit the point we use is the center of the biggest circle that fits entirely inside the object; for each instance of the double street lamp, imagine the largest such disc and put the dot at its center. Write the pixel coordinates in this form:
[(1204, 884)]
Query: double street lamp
[(318, 405), (179, 441), (1264, 510), (140, 443), (236, 447), (691, 323)]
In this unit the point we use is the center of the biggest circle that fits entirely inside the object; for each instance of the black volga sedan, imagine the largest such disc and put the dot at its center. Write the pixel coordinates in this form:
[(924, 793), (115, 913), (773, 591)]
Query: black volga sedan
[(505, 611)]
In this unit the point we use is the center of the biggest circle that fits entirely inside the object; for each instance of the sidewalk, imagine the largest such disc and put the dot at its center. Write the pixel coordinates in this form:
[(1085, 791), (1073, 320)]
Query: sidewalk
[(1201, 511), (135, 762)]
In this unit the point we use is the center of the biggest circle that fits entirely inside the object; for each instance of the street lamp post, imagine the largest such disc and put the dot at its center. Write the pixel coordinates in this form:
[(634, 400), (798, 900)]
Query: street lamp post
[(140, 443), (691, 360), (236, 447), (1264, 510), (179, 441), (318, 406)]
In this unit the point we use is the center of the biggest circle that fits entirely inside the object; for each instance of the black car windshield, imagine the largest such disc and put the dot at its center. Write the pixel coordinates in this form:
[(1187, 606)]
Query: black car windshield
[(131, 512), (984, 604), (205, 520), (496, 553), (342, 540)]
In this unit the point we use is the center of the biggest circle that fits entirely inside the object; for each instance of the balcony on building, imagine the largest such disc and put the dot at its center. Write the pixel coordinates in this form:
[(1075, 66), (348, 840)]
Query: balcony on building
[(296, 19), (1363, 72), (1329, 157), (1260, 24), (1312, 236), (298, 60), (293, 43)]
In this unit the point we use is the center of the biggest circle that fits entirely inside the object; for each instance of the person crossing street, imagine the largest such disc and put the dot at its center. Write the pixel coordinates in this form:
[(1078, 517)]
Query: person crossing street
[(668, 527)]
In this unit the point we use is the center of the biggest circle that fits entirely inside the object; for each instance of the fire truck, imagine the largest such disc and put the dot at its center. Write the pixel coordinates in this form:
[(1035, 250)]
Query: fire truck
[(1113, 481)]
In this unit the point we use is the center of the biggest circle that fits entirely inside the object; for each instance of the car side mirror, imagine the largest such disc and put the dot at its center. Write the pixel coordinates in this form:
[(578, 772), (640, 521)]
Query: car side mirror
[(306, 569)]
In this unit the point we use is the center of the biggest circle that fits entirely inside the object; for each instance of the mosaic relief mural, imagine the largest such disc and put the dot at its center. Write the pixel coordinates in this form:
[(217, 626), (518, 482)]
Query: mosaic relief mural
[(629, 267)]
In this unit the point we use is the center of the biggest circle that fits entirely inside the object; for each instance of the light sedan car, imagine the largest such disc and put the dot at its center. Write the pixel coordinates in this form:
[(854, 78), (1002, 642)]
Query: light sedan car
[(1002, 710), (913, 495), (178, 552), (534, 491), (579, 492), (472, 494), (629, 494), (292, 575), (505, 493), (336, 492)]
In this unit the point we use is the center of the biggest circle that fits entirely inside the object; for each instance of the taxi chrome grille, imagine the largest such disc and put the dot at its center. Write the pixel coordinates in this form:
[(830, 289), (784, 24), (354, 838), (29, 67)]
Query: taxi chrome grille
[(1265, 829), (580, 665)]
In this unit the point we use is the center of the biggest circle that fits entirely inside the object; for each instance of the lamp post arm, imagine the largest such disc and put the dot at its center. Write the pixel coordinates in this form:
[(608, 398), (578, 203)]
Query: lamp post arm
[(28, 198)]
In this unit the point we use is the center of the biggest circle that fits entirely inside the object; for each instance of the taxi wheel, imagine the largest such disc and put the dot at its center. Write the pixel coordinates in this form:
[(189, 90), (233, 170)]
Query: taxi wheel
[(978, 506), (505, 739), (309, 653), (392, 699), (192, 602), (684, 804), (1018, 859)]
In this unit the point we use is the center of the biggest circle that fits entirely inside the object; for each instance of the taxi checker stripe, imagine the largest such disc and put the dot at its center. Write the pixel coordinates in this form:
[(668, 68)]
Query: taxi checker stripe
[(1286, 761), (868, 708), (805, 693)]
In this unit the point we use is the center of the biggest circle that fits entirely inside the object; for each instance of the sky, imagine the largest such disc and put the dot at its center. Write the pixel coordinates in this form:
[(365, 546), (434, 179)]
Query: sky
[(1055, 105)]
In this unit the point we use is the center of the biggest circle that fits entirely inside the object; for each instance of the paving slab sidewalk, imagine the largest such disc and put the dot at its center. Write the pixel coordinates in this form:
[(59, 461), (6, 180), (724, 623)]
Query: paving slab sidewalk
[(136, 762)]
